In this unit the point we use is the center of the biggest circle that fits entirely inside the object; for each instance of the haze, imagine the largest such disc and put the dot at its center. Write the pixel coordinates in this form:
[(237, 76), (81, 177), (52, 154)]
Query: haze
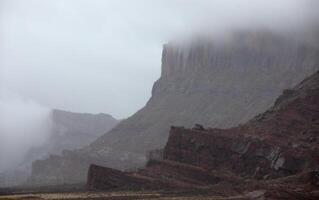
[(24, 124), (103, 56)]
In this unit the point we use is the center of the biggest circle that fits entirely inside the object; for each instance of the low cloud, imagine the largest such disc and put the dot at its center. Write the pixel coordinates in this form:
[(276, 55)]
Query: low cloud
[(105, 52), (24, 124)]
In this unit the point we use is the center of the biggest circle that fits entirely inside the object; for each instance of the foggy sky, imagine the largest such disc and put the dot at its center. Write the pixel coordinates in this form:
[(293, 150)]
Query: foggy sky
[(103, 56), (23, 125)]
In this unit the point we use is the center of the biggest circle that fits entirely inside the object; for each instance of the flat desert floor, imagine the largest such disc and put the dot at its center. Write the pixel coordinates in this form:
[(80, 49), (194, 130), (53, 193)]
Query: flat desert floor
[(125, 196)]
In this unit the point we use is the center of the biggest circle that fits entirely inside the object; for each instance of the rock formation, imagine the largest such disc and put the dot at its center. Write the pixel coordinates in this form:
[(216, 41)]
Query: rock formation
[(70, 131), (276, 152), (214, 83), (76, 130)]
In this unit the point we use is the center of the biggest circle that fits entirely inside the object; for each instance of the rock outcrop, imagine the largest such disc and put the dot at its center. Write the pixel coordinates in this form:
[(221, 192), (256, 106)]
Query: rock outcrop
[(105, 178), (280, 142), (158, 175), (276, 152), (213, 83), (76, 130), (69, 131)]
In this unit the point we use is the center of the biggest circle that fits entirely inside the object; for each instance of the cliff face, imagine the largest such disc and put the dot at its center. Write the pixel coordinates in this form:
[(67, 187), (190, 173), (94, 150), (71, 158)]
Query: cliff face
[(71, 131), (218, 84), (280, 142), (76, 130), (276, 152)]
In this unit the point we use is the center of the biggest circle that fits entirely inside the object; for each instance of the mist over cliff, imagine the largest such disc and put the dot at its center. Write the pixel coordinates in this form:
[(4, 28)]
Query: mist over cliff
[(30, 131), (57, 38), (218, 84), (24, 125), (226, 62)]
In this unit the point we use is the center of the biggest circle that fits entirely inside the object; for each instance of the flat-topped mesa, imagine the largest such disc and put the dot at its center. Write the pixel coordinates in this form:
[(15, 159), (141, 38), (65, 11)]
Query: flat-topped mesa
[(239, 52)]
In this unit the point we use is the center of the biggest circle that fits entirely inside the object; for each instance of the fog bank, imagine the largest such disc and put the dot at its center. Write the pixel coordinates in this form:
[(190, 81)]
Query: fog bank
[(104, 53), (24, 124), (104, 56)]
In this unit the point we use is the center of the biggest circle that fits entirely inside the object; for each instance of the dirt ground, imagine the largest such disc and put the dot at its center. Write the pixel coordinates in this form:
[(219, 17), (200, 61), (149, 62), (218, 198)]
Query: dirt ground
[(124, 196)]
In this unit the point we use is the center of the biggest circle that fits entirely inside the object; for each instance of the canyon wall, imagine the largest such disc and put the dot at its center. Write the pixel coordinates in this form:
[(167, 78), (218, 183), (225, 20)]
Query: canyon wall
[(275, 155), (217, 83)]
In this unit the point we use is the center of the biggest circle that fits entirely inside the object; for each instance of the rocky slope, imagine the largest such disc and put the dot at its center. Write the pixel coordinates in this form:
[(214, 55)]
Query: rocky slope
[(215, 83), (277, 153)]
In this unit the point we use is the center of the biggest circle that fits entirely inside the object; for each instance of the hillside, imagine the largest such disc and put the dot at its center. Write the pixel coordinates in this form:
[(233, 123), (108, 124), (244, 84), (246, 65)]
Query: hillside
[(75, 130), (275, 155), (215, 83), (69, 131)]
